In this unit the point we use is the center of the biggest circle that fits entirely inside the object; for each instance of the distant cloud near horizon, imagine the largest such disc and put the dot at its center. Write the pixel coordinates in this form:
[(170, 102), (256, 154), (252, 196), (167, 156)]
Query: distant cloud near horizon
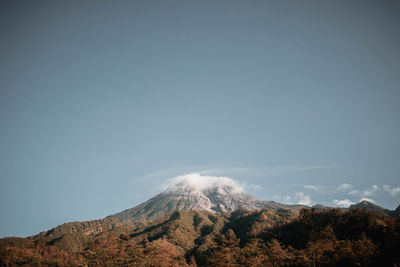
[(299, 198), (357, 195), (344, 187), (302, 199), (247, 179), (316, 188), (394, 191), (373, 190), (344, 203)]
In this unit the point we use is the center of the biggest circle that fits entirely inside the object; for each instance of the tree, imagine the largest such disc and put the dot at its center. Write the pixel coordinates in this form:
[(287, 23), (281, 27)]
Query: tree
[(225, 252), (276, 255)]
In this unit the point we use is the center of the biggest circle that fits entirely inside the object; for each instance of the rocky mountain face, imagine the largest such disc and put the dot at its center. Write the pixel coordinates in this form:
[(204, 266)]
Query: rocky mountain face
[(214, 198)]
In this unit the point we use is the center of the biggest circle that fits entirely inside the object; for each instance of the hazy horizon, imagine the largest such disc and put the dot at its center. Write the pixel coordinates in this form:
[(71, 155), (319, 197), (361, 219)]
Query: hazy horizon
[(102, 103)]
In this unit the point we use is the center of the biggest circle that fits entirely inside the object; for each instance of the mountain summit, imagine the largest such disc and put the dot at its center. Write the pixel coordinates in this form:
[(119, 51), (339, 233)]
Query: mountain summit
[(196, 192)]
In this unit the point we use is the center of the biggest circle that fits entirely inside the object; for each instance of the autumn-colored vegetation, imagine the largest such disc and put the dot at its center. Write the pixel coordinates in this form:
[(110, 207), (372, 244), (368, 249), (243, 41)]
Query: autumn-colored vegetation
[(332, 237)]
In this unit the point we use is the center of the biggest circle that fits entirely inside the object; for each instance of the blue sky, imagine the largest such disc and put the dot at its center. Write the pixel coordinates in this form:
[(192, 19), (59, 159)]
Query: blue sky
[(101, 102)]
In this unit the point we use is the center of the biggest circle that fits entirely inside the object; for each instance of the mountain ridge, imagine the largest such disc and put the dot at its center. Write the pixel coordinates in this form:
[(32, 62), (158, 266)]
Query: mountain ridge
[(214, 198), (201, 238), (215, 195)]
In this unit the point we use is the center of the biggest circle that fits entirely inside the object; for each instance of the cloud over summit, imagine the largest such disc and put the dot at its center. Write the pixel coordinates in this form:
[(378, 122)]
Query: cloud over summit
[(198, 182)]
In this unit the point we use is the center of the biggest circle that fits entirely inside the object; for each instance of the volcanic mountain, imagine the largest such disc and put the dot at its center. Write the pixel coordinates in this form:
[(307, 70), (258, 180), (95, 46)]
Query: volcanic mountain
[(195, 193), (211, 221)]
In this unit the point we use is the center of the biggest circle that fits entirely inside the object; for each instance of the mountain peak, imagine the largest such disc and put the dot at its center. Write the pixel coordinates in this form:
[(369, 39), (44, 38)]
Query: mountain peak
[(197, 192), (211, 193), (363, 204)]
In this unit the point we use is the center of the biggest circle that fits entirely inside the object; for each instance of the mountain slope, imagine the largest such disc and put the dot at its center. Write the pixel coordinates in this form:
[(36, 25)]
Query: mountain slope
[(212, 223), (396, 212), (214, 198), (371, 206), (201, 238)]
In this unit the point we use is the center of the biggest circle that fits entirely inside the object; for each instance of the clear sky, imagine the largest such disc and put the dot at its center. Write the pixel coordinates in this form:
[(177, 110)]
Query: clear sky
[(102, 101)]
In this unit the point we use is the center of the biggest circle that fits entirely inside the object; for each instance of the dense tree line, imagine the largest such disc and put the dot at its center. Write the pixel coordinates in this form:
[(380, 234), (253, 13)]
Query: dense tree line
[(332, 237), (317, 238)]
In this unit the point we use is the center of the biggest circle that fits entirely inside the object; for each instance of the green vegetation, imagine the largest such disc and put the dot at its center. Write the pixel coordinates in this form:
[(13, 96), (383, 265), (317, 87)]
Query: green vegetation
[(331, 237)]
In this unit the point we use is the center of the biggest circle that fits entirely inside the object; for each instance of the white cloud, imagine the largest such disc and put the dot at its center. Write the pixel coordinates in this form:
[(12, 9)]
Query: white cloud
[(370, 192), (344, 187), (298, 198), (241, 171), (165, 173), (368, 199), (227, 171), (392, 190), (354, 192), (344, 203), (263, 171), (316, 188), (366, 192), (201, 182), (312, 187), (302, 199)]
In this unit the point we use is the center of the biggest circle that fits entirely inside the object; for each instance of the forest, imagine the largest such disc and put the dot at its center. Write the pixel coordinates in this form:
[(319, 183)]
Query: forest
[(332, 237)]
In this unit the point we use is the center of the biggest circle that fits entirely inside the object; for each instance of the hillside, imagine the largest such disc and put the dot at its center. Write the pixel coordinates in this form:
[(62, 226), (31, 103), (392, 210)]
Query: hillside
[(201, 238), (215, 224)]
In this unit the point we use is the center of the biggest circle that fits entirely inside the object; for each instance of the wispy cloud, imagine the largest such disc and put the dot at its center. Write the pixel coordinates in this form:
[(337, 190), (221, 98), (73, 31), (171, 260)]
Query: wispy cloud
[(168, 173), (372, 191), (239, 171), (394, 191), (324, 189), (263, 171), (354, 192), (312, 187), (344, 187), (304, 168), (316, 188), (227, 171)]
